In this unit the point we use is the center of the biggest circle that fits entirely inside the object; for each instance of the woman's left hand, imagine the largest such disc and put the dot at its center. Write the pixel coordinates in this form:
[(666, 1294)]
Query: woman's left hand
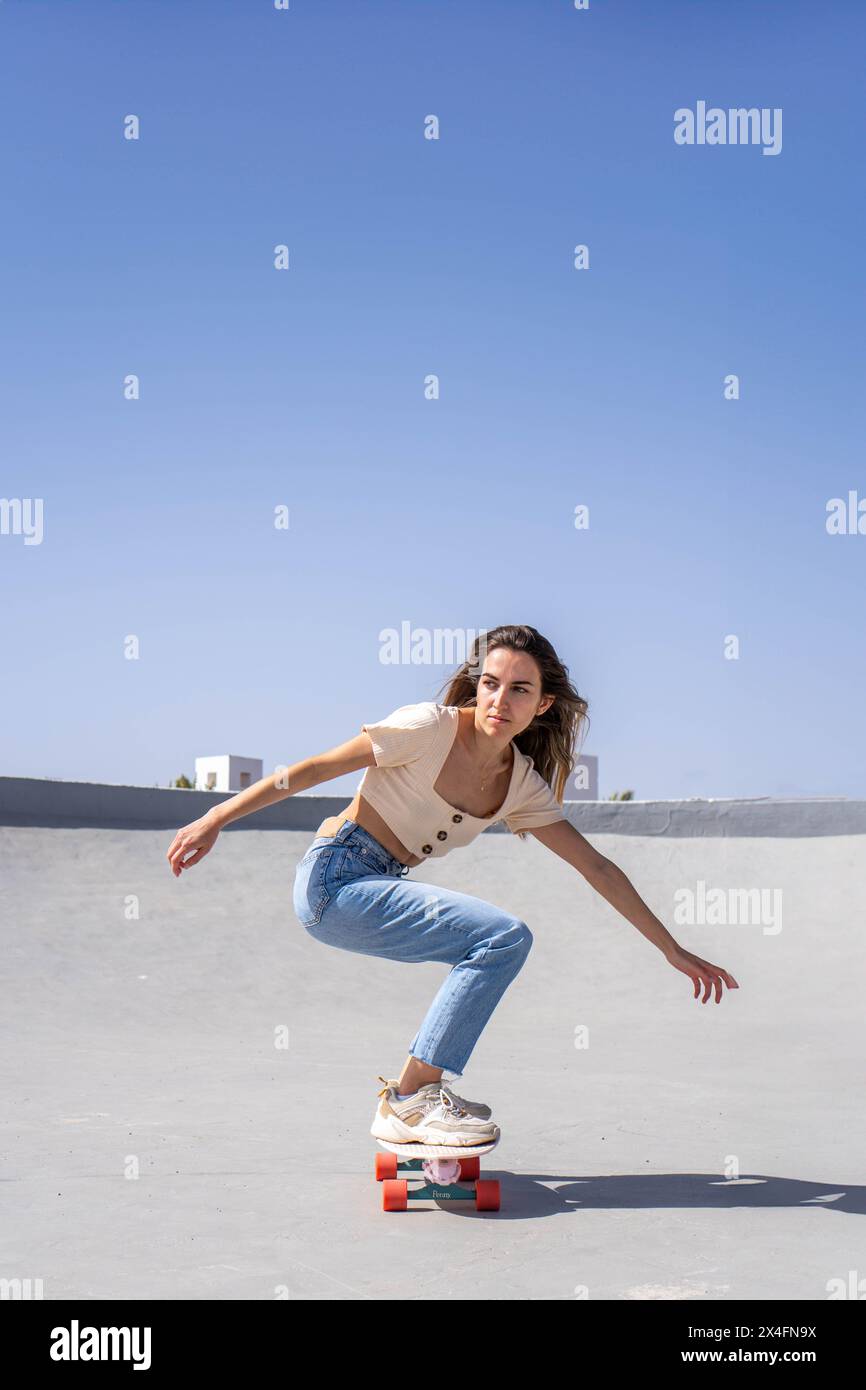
[(703, 972)]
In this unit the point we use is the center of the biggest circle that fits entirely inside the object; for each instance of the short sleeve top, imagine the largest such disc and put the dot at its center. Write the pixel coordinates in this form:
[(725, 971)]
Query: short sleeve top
[(410, 747)]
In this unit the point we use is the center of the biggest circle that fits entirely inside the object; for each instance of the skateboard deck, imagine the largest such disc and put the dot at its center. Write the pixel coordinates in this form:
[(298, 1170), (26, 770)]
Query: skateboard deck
[(449, 1172)]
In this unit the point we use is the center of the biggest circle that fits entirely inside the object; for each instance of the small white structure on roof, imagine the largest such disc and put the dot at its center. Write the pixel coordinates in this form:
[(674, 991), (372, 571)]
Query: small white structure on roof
[(226, 773)]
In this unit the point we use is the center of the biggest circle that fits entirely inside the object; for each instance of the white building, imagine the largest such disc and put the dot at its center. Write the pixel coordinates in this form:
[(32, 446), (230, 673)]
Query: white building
[(226, 773)]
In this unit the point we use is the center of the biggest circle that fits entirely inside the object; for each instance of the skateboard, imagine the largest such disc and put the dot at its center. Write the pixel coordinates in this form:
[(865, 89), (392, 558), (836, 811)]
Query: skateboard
[(444, 1167)]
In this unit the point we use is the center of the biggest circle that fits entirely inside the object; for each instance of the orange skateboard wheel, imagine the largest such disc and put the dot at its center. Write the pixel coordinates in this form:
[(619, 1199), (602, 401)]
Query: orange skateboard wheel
[(394, 1196), (487, 1194), (386, 1166)]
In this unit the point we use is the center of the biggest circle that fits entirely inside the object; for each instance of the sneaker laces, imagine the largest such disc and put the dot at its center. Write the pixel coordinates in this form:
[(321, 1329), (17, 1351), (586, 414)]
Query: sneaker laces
[(449, 1101), (457, 1102)]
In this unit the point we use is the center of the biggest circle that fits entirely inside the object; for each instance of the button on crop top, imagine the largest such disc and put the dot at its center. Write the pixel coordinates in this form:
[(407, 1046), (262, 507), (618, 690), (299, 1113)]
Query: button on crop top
[(410, 747)]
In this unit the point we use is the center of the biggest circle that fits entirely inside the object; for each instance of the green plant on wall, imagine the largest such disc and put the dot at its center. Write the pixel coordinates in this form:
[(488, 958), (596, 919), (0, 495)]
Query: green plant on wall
[(620, 796), (183, 781)]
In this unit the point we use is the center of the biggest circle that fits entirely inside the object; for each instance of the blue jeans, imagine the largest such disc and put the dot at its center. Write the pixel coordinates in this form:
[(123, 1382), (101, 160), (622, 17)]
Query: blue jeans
[(350, 892)]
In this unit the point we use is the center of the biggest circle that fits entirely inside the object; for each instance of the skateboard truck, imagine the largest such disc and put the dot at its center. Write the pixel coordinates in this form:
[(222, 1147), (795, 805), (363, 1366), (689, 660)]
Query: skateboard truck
[(441, 1169)]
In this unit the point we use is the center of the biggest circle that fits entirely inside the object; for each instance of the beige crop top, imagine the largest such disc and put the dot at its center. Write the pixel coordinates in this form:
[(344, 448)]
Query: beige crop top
[(411, 746)]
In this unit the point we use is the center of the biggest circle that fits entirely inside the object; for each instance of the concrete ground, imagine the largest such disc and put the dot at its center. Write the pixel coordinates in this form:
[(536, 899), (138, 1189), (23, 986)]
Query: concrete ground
[(190, 1080)]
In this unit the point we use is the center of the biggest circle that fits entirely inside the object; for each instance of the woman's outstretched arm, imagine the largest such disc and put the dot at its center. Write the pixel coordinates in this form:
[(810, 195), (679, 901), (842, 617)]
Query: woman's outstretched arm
[(192, 842), (609, 880)]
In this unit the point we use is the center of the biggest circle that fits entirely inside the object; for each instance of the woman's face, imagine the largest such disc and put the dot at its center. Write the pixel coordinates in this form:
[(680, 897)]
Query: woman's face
[(509, 687)]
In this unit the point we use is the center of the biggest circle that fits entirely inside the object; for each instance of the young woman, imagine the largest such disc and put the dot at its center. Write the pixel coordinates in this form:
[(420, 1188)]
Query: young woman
[(500, 748)]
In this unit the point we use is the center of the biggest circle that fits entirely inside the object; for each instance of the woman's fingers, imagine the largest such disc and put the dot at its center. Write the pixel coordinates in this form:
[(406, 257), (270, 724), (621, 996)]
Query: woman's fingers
[(176, 855), (191, 843), (189, 855), (708, 983), (720, 976), (175, 849), (712, 977), (702, 973)]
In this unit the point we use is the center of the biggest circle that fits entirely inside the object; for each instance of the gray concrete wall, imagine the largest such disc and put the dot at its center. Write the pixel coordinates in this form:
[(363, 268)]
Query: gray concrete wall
[(46, 802)]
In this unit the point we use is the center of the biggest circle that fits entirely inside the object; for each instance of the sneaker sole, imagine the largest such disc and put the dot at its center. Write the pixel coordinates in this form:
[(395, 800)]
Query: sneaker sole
[(395, 1132)]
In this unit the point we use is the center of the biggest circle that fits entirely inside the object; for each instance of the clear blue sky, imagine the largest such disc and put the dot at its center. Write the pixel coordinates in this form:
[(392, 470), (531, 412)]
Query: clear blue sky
[(410, 257)]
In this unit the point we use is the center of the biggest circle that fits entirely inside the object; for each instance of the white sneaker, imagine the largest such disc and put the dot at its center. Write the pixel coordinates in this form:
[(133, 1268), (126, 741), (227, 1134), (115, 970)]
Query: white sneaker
[(428, 1118)]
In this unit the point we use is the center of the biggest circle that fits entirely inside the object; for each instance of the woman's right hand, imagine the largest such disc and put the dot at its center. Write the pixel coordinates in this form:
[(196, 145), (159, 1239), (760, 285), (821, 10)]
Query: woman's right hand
[(196, 839)]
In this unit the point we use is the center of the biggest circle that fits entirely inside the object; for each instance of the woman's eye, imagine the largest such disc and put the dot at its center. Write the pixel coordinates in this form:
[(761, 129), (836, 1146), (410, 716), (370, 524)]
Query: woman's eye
[(521, 689)]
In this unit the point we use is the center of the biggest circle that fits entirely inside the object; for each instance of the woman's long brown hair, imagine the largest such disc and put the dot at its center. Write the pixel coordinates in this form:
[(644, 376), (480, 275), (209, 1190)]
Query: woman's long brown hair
[(551, 739)]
